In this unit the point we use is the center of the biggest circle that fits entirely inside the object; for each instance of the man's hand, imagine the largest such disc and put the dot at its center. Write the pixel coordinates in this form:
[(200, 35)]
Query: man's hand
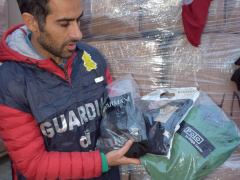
[(116, 157)]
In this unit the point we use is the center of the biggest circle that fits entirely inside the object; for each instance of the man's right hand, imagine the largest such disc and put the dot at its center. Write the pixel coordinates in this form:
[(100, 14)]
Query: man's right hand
[(116, 157)]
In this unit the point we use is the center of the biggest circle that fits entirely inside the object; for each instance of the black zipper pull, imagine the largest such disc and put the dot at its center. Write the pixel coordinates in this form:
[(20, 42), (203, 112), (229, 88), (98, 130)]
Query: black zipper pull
[(66, 75), (65, 71)]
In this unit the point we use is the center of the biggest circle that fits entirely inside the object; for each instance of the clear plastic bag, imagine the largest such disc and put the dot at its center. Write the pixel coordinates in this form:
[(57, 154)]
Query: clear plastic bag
[(122, 120), (205, 140), (147, 39), (163, 111)]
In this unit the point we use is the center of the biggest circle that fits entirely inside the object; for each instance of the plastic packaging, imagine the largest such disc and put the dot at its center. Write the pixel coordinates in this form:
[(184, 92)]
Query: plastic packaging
[(147, 39), (3, 17), (205, 140), (122, 120), (151, 45), (187, 2), (110, 19), (163, 111)]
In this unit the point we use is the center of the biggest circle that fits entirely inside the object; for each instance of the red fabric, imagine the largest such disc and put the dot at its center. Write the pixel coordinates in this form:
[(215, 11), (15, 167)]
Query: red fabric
[(23, 31), (194, 18), (108, 76), (7, 53), (24, 142)]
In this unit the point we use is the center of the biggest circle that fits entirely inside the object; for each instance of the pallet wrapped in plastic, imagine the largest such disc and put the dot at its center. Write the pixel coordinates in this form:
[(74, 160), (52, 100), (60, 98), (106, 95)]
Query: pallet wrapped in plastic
[(108, 19), (232, 13), (148, 39), (3, 16), (140, 57)]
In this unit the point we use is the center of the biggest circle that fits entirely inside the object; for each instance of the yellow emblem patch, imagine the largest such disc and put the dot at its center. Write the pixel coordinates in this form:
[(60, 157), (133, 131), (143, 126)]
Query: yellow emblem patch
[(88, 62)]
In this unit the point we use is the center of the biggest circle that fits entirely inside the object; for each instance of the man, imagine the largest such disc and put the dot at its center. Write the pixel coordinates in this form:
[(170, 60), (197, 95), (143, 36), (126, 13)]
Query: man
[(50, 95)]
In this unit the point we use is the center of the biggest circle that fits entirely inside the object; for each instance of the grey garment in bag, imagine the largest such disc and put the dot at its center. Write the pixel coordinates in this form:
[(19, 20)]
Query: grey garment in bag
[(162, 121)]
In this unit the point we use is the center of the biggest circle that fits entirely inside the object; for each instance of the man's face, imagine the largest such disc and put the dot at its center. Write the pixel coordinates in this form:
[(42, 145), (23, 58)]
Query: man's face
[(61, 30)]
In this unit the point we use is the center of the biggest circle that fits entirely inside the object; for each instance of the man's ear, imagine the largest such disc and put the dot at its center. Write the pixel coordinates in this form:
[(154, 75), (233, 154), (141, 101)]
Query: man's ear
[(30, 22)]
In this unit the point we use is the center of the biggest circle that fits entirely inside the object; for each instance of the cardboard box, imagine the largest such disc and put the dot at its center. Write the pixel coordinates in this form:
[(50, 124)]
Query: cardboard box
[(110, 19), (139, 57), (232, 21), (208, 67), (3, 17), (166, 17)]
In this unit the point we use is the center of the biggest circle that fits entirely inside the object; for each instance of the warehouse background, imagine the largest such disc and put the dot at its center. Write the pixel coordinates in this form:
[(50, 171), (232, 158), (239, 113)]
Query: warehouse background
[(147, 39)]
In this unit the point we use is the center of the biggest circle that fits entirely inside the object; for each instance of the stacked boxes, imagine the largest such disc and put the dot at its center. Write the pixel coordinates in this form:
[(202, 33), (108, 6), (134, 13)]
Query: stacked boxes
[(208, 67), (3, 17), (232, 9), (144, 61), (108, 19), (166, 17), (146, 38)]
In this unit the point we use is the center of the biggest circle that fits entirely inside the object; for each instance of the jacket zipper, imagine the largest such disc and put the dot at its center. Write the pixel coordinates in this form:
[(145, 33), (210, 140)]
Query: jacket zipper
[(66, 75), (64, 71)]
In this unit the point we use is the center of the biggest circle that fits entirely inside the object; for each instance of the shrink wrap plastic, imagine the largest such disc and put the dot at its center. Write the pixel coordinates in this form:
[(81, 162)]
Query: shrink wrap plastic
[(163, 111), (205, 140), (122, 119), (146, 38), (3, 17)]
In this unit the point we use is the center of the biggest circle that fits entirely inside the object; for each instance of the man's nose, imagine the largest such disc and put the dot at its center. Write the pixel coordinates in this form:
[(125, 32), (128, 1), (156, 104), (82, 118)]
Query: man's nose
[(75, 32)]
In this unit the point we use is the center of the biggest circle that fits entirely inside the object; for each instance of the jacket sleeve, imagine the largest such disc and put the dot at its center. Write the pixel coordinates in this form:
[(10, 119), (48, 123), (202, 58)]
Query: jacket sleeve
[(24, 142)]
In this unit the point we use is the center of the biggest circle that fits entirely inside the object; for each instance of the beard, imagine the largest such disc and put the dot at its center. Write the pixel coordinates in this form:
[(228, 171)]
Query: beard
[(52, 46)]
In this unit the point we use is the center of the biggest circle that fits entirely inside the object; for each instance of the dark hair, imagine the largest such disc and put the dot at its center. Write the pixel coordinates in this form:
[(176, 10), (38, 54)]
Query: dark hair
[(38, 8)]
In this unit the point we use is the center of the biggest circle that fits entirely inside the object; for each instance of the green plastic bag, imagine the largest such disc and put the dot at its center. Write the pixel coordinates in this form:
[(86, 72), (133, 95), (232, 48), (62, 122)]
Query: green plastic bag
[(205, 140)]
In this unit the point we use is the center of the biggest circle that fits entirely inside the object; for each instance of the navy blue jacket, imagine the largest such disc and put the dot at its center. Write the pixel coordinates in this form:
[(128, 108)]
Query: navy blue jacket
[(55, 113)]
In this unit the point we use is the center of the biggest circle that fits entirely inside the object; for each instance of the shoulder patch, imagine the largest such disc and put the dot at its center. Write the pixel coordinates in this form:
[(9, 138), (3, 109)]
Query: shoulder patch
[(88, 62)]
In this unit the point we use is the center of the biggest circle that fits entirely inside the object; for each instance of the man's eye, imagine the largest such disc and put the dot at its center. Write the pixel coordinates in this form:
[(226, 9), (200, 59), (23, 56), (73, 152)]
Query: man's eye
[(65, 25)]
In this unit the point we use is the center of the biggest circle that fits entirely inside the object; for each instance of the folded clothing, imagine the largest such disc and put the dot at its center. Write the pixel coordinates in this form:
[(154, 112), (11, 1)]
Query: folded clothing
[(205, 140), (236, 75), (122, 120), (194, 18), (162, 120), (236, 78), (139, 149)]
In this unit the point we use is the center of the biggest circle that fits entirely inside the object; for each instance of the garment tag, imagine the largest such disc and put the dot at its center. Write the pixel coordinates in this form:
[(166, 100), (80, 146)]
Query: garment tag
[(118, 105), (196, 139), (99, 79), (165, 113)]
